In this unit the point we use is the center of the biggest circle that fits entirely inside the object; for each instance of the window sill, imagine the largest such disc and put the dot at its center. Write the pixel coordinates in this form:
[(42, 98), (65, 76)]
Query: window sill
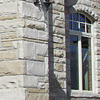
[(89, 94)]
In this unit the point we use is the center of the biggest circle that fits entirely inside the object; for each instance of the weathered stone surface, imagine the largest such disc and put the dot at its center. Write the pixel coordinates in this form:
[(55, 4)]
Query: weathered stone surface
[(59, 31), (59, 1), (32, 34), (8, 36), (8, 8), (29, 9), (59, 67), (26, 50), (36, 96), (30, 81), (10, 25), (41, 49), (58, 7), (35, 90), (6, 44), (35, 68), (35, 25), (12, 67), (12, 94), (8, 55), (58, 53), (39, 58), (7, 82)]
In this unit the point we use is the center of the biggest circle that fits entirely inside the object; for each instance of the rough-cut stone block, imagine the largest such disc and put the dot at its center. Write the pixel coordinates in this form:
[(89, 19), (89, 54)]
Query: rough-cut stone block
[(58, 7), (8, 35), (39, 58), (28, 33), (58, 53), (35, 90), (41, 49), (59, 23), (11, 82), (32, 34), (36, 96), (12, 94), (6, 8), (60, 46), (29, 9), (26, 50), (59, 67), (11, 25), (12, 67), (30, 81), (35, 68), (6, 44), (58, 39), (43, 35), (11, 55), (60, 60), (9, 17), (60, 75), (35, 25), (59, 1), (59, 31)]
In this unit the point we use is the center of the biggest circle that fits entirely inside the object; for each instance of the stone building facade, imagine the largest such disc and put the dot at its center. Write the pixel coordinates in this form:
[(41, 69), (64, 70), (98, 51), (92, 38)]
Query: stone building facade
[(35, 50)]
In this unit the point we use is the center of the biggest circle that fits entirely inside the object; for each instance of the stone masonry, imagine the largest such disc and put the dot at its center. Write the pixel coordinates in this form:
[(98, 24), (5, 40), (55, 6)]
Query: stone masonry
[(34, 49), (28, 50)]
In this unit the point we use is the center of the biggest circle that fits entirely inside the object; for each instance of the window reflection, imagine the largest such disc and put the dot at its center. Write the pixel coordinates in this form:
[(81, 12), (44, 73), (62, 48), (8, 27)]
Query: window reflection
[(86, 63), (74, 61)]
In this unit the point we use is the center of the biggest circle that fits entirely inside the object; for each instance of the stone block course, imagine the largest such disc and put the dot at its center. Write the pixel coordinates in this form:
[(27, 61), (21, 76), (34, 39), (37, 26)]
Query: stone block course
[(59, 67), (7, 82), (11, 8), (35, 68), (32, 34), (36, 96), (30, 82), (8, 35), (29, 9), (12, 68), (12, 94), (6, 44), (8, 55), (35, 25)]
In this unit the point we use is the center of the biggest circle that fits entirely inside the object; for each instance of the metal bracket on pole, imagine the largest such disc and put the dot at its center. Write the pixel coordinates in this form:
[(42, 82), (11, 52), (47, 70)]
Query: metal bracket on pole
[(36, 2), (47, 4)]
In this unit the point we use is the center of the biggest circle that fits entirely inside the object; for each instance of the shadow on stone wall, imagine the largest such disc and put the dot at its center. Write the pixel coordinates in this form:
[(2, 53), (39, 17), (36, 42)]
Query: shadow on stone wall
[(55, 90)]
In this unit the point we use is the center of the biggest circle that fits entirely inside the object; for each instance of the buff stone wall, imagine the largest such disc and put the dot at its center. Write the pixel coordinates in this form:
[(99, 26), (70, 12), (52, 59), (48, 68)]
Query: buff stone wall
[(32, 51)]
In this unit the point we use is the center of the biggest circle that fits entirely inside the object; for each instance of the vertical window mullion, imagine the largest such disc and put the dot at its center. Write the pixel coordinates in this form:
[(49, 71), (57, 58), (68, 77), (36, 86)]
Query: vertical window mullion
[(93, 78), (80, 62)]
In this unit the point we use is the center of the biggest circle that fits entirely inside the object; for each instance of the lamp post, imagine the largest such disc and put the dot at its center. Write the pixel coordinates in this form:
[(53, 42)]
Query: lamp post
[(46, 3)]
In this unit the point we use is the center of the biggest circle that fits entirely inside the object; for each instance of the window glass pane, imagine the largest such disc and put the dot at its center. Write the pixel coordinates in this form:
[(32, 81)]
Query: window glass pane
[(70, 25), (86, 64), (74, 61), (82, 27), (75, 16), (88, 21), (75, 26), (70, 16), (88, 28), (82, 18)]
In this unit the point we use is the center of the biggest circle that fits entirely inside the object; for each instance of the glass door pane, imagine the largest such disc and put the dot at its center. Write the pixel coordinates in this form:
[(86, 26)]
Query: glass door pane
[(74, 62), (86, 63)]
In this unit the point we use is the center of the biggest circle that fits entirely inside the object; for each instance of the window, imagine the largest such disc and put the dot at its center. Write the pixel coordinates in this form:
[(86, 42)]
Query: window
[(81, 52)]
